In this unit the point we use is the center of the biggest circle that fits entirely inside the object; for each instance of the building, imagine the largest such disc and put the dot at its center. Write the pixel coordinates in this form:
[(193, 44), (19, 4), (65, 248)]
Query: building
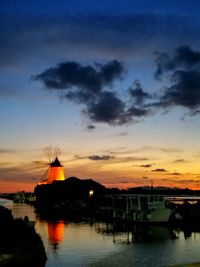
[(55, 172)]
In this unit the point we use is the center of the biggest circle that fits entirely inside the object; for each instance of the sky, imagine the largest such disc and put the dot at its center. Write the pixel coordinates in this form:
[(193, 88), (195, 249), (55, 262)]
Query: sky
[(115, 85)]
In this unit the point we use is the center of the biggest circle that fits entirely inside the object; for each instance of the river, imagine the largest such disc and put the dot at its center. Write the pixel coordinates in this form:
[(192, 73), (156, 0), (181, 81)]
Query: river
[(90, 243)]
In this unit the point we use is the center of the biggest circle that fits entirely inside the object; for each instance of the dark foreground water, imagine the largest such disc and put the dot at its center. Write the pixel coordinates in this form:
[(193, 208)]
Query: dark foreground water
[(95, 244)]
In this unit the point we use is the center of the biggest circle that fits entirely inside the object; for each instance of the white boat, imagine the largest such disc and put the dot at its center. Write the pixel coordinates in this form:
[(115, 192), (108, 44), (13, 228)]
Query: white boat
[(140, 208)]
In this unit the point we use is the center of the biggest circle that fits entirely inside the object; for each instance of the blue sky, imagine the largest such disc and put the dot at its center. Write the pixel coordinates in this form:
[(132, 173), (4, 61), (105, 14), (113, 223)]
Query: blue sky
[(110, 78)]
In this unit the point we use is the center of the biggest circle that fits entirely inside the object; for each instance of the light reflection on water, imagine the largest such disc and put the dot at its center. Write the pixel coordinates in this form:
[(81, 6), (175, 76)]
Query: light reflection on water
[(94, 244), (79, 245)]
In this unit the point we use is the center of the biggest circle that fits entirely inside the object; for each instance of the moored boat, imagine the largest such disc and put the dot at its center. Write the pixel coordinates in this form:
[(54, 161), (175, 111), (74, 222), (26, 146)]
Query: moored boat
[(141, 208)]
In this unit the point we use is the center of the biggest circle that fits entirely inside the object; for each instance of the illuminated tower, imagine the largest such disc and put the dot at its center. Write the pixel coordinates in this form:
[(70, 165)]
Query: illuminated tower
[(56, 172)]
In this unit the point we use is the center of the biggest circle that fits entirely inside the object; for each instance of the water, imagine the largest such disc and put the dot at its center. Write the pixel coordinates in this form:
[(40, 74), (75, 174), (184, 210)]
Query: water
[(91, 243)]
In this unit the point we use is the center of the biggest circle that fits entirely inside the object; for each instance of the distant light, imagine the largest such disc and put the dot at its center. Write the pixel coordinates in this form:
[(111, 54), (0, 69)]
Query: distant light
[(91, 193)]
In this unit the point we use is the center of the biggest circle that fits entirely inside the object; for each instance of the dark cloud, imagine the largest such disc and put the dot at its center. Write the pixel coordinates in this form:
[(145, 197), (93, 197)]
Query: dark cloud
[(95, 157), (79, 96), (70, 74), (185, 90), (136, 112), (90, 127), (115, 159), (85, 85), (103, 157), (146, 165), (88, 86), (159, 170), (110, 109), (107, 108), (183, 71), (138, 94), (183, 57), (37, 39), (138, 99), (176, 173)]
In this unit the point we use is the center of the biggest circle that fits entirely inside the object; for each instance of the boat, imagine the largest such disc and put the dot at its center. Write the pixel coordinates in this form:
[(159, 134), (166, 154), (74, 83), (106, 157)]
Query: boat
[(141, 208)]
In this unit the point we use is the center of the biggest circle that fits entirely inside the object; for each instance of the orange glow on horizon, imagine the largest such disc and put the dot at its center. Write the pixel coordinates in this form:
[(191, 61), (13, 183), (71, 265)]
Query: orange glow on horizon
[(11, 187), (193, 184), (111, 174)]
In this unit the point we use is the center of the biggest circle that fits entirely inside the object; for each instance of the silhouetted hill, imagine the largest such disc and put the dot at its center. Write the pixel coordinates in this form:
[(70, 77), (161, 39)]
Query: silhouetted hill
[(163, 191)]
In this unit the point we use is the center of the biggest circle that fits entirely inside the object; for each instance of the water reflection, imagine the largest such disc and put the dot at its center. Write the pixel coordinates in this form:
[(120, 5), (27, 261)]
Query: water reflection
[(55, 232), (122, 233), (91, 243)]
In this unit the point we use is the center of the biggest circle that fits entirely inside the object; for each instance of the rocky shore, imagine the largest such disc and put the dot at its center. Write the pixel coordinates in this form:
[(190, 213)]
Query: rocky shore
[(20, 245)]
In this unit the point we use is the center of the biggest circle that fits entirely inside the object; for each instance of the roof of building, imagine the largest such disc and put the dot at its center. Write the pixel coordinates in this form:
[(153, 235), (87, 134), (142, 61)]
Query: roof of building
[(56, 163)]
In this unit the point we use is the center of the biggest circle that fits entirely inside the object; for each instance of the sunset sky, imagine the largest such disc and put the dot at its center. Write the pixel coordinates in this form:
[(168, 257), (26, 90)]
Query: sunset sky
[(114, 84)]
